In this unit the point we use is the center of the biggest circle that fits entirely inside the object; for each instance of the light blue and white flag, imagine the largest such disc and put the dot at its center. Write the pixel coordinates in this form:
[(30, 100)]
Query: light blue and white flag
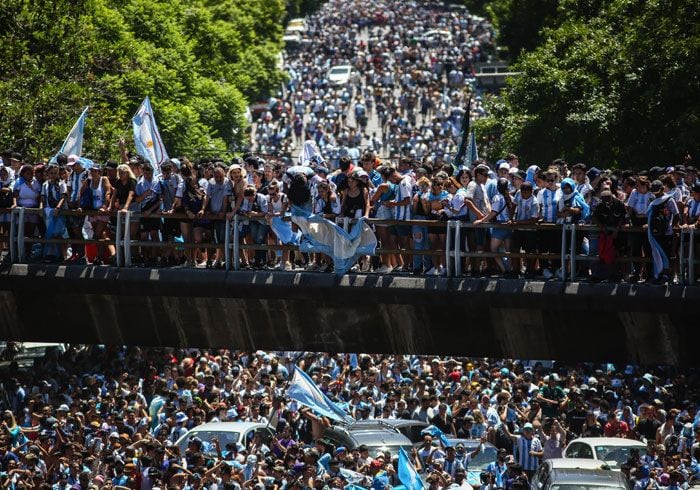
[(436, 432), (146, 136), (659, 258), (304, 390), (310, 154), (407, 472), (319, 235), (73, 145)]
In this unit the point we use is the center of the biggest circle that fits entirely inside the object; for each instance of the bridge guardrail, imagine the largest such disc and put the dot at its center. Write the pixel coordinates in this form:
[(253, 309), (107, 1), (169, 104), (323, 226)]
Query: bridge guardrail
[(232, 247)]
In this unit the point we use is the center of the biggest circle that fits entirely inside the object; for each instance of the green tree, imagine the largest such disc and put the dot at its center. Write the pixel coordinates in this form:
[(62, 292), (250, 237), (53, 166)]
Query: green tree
[(200, 61)]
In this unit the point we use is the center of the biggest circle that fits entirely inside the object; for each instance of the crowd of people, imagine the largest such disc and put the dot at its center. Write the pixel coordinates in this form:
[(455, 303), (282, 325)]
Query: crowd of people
[(88, 417), (637, 215), (413, 66)]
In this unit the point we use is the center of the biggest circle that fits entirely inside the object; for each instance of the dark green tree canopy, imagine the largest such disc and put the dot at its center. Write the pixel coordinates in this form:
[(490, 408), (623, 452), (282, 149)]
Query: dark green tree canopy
[(200, 61), (610, 83)]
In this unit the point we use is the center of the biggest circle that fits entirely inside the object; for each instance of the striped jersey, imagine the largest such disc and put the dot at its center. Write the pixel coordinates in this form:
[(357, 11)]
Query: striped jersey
[(522, 449), (526, 208), (693, 210), (639, 202), (547, 201), (404, 190)]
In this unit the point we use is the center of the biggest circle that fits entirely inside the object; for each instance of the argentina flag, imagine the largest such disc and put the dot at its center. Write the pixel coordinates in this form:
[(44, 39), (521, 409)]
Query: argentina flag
[(304, 390), (73, 145), (146, 136)]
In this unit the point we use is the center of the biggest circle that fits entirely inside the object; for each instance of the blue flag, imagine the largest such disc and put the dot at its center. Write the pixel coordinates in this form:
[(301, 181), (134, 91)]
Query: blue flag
[(73, 145), (304, 390), (407, 472), (146, 136), (436, 432)]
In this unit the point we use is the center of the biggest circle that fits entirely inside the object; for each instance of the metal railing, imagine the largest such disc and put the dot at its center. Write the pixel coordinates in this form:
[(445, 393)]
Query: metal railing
[(453, 252)]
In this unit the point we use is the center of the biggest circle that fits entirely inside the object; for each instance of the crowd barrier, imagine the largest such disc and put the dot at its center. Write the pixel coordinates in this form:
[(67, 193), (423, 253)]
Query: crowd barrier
[(567, 258)]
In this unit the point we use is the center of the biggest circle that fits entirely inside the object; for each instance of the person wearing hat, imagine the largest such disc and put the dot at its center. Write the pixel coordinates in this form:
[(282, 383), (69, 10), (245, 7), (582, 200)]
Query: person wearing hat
[(79, 173), (662, 218), (179, 429), (552, 397), (527, 448)]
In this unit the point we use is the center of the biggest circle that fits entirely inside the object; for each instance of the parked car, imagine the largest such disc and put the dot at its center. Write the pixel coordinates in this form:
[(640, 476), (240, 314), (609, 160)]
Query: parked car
[(378, 438), (577, 474), (612, 450), (226, 432), (410, 428)]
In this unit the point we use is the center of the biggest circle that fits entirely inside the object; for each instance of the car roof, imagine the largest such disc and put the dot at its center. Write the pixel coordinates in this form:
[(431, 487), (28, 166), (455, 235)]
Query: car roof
[(468, 442), (585, 477), (573, 463), (370, 436), (390, 422), (228, 426), (609, 441)]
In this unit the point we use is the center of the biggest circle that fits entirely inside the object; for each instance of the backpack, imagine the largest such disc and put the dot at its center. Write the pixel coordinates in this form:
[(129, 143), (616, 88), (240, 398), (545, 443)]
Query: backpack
[(657, 221), (86, 199), (6, 198)]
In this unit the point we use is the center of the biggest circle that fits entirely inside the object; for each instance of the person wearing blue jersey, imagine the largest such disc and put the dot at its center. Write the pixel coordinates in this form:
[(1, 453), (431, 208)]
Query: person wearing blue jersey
[(548, 240)]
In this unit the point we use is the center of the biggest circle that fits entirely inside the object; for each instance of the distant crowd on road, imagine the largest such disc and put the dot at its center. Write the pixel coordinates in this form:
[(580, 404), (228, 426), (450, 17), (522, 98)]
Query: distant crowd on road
[(390, 76), (99, 417)]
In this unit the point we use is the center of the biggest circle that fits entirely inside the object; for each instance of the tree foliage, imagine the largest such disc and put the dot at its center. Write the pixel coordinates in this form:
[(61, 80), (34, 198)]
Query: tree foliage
[(613, 83), (200, 61)]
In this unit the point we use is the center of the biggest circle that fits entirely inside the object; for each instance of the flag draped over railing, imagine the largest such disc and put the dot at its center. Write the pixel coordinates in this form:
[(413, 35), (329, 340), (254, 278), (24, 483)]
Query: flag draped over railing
[(146, 136), (304, 390)]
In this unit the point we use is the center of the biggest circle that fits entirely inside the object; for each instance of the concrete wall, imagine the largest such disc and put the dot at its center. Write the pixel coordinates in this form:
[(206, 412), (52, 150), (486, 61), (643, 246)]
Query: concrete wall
[(321, 312)]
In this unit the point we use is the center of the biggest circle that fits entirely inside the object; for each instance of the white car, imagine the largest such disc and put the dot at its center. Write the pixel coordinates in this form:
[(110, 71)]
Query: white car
[(341, 75), (226, 432), (612, 451)]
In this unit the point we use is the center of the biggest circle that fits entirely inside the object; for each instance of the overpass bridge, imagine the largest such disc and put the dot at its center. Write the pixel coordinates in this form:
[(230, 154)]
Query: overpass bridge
[(352, 313)]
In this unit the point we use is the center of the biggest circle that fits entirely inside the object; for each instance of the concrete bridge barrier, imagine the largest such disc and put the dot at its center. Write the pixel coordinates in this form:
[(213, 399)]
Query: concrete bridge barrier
[(353, 313)]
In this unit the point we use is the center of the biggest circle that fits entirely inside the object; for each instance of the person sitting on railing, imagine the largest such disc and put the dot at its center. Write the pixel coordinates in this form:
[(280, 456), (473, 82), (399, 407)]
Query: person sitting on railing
[(123, 195), (216, 199), (526, 213), (355, 204), (637, 205), (27, 192), (662, 218), (74, 224), (502, 208), (99, 191), (277, 206), (691, 217), (149, 201), (572, 208), (168, 184), (254, 231), (7, 202), (609, 213), (54, 195), (549, 241), (479, 207), (194, 231), (436, 201), (385, 192)]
